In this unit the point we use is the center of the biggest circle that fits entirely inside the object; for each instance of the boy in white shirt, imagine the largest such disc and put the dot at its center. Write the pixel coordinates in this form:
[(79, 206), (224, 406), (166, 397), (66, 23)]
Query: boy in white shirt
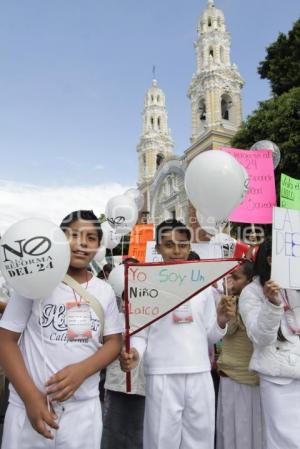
[(67, 401), (180, 404)]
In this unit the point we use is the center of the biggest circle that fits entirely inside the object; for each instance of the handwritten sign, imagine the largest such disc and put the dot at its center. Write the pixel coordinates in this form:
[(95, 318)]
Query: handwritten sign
[(153, 290), (289, 192), (205, 250), (261, 197), (286, 248), (139, 237)]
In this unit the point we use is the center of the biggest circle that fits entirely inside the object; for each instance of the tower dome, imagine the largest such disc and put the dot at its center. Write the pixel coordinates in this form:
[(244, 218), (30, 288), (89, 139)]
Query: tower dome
[(211, 19), (155, 96)]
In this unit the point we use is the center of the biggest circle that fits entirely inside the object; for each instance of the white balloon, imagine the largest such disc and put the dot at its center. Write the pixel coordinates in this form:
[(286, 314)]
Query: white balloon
[(245, 180), (225, 241), (214, 183), (109, 239), (34, 257), (209, 224), (116, 279), (121, 213), (100, 254), (136, 196), (268, 145), (222, 239)]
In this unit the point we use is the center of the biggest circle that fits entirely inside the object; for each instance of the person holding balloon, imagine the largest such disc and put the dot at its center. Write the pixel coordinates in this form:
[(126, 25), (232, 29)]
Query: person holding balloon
[(52, 349)]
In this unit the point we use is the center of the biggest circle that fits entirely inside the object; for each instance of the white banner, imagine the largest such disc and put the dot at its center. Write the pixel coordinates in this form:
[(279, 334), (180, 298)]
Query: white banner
[(286, 248), (205, 250), (153, 290)]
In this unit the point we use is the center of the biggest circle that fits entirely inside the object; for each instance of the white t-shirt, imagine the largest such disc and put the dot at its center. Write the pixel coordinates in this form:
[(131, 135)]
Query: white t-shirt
[(23, 315), (173, 347)]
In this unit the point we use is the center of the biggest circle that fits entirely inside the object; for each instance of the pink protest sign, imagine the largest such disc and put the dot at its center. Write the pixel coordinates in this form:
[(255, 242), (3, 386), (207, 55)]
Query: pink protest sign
[(261, 197)]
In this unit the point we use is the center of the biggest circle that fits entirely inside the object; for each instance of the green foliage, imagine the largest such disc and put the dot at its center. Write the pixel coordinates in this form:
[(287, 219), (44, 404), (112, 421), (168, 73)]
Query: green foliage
[(277, 119), (282, 64), (102, 218)]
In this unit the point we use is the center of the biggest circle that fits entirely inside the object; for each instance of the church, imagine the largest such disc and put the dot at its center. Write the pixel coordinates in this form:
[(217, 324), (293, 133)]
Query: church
[(216, 106)]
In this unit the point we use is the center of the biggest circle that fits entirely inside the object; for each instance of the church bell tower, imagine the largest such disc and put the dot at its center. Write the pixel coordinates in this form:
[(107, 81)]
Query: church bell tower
[(156, 143), (215, 90)]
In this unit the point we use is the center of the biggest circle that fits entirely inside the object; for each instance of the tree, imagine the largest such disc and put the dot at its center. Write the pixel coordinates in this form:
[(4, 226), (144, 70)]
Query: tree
[(282, 63), (102, 218), (277, 119)]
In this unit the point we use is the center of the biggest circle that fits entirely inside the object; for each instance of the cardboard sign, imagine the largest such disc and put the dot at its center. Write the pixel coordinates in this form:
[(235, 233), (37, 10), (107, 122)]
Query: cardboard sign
[(286, 248), (205, 250), (289, 192), (261, 197), (153, 290), (139, 237)]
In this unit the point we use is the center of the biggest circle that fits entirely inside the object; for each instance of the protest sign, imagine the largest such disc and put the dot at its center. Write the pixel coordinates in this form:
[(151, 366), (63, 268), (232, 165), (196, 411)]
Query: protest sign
[(153, 290), (261, 197), (289, 192), (139, 237), (286, 248)]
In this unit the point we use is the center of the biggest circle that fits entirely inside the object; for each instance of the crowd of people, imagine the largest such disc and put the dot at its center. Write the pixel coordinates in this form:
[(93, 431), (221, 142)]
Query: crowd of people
[(52, 352)]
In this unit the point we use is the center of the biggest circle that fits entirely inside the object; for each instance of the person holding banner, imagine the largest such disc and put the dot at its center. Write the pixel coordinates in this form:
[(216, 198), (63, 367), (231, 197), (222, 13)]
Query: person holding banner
[(239, 420), (52, 352), (272, 321), (180, 404), (123, 412)]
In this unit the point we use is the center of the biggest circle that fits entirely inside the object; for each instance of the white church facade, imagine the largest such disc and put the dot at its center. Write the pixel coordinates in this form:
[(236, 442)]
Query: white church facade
[(216, 105)]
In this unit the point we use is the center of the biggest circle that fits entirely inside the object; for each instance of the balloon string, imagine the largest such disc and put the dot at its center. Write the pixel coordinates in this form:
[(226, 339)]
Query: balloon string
[(44, 352), (229, 228), (225, 278)]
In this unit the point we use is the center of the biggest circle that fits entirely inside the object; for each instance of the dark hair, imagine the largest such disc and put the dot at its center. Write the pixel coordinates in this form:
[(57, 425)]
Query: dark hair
[(130, 260), (193, 256), (87, 215), (170, 225), (106, 269), (262, 268), (247, 269)]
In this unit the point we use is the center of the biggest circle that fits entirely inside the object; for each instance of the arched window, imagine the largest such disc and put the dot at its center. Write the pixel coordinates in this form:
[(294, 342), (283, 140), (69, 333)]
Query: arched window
[(202, 109), (152, 98), (159, 159), (226, 104), (209, 22), (152, 122), (158, 122), (158, 99), (211, 53)]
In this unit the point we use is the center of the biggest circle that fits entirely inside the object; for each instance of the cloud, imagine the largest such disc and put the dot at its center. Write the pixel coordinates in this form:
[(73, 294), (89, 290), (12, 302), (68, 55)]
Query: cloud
[(19, 201), (68, 162), (98, 167)]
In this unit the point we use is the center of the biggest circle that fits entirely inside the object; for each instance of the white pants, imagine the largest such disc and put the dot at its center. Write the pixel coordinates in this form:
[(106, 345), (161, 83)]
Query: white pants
[(179, 411), (80, 426), (239, 417), (281, 410)]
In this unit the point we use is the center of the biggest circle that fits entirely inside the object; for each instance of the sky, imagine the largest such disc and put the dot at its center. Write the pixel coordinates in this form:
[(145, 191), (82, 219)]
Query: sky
[(72, 83)]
